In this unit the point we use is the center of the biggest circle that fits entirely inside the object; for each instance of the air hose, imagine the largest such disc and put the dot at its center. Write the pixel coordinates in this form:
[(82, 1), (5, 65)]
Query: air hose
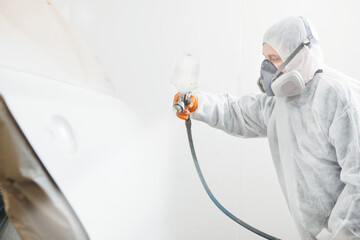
[(212, 197)]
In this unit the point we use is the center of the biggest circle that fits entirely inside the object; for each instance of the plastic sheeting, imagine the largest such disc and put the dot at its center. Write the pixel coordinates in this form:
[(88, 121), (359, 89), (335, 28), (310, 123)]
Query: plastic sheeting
[(34, 204), (36, 41), (34, 38), (89, 145)]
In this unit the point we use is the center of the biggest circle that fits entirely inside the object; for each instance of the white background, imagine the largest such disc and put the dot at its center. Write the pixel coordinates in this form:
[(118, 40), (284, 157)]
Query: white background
[(138, 41)]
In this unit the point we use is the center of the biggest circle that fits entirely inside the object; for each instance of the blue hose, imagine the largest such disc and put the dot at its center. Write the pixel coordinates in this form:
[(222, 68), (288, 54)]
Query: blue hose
[(212, 197)]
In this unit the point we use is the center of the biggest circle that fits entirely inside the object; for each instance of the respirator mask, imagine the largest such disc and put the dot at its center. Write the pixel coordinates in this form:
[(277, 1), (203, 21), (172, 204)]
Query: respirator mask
[(274, 82)]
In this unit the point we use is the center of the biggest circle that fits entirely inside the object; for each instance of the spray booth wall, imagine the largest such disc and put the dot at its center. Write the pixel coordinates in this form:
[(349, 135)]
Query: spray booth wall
[(138, 43)]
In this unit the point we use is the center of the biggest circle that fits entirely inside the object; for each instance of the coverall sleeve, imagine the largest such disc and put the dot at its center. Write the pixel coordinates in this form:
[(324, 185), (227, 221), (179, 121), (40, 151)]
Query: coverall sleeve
[(344, 220), (246, 116)]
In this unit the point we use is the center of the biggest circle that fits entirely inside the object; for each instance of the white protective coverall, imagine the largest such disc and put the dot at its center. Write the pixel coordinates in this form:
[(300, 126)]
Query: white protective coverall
[(314, 137)]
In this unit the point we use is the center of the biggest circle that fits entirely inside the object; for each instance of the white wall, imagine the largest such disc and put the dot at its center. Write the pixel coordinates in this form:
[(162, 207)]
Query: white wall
[(138, 42)]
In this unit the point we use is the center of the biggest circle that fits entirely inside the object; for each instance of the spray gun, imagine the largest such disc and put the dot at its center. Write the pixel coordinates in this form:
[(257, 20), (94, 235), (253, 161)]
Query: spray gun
[(183, 101), (185, 79)]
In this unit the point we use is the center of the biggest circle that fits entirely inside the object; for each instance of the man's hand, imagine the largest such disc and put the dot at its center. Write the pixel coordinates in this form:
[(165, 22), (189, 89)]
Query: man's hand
[(188, 108)]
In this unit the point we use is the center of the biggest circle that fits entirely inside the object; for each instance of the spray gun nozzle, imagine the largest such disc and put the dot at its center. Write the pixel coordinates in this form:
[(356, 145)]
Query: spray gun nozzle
[(183, 100), (178, 107)]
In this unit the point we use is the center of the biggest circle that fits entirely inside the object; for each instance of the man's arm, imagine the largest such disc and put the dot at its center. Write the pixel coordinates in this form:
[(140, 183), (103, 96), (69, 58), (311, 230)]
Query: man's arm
[(246, 116), (344, 221)]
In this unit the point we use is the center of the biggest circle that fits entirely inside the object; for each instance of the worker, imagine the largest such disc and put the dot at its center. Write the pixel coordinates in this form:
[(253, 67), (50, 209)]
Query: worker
[(310, 114)]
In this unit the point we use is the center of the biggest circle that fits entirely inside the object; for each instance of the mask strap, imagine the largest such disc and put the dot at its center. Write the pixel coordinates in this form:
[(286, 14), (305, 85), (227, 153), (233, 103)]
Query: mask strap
[(309, 34), (293, 54)]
